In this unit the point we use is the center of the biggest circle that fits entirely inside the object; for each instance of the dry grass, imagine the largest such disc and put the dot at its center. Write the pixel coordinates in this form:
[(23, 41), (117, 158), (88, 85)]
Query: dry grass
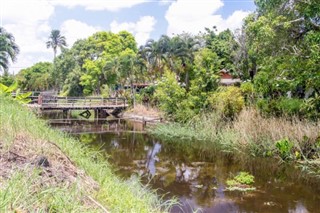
[(250, 133), (141, 110), (252, 127)]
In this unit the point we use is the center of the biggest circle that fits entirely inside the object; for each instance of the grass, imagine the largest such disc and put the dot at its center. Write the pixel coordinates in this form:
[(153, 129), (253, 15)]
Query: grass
[(78, 179), (249, 134)]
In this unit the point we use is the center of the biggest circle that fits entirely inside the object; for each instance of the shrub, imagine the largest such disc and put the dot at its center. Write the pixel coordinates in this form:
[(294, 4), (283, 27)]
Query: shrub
[(310, 108), (284, 147), (247, 89), (290, 107), (169, 94), (281, 107), (227, 100), (105, 91)]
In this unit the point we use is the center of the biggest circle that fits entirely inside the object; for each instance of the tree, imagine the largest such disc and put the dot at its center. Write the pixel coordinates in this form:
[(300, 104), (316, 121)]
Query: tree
[(8, 49), (56, 40), (36, 77)]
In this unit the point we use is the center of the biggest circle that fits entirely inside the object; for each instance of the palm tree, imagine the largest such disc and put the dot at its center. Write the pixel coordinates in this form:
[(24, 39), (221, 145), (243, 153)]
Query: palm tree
[(155, 52), (8, 49), (56, 40)]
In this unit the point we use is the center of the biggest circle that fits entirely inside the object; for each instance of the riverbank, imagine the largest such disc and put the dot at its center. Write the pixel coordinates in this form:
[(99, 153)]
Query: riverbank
[(250, 135), (46, 170), (141, 113)]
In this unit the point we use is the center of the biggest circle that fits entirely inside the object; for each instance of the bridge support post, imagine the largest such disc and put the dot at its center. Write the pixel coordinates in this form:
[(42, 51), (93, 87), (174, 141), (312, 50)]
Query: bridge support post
[(66, 114), (96, 115)]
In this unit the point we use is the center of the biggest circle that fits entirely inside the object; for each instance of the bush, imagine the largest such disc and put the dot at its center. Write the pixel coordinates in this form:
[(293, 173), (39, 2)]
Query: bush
[(284, 147), (310, 108), (290, 107), (247, 89), (105, 91), (228, 101), (169, 94), (281, 107)]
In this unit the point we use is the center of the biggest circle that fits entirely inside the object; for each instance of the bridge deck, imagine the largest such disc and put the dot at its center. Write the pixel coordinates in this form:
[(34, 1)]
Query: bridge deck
[(80, 103), (81, 107)]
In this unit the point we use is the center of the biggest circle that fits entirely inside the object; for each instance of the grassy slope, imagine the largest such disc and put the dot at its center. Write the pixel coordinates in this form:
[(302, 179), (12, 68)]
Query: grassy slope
[(87, 184)]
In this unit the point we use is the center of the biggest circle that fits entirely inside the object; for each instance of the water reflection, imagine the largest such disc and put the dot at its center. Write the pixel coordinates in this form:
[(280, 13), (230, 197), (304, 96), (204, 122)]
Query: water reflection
[(199, 183), (197, 177), (152, 159)]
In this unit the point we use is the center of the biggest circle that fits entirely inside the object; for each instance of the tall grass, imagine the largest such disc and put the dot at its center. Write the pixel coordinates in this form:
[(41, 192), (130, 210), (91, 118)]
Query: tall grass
[(250, 133), (90, 186)]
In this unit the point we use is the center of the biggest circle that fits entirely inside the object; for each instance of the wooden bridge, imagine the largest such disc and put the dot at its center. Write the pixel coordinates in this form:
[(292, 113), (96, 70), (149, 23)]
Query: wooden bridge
[(102, 107)]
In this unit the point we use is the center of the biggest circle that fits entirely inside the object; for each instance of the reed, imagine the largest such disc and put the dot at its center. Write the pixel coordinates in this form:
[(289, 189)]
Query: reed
[(250, 133)]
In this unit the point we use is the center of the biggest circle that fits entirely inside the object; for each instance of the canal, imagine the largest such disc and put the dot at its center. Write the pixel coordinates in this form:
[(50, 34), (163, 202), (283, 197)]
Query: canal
[(195, 179)]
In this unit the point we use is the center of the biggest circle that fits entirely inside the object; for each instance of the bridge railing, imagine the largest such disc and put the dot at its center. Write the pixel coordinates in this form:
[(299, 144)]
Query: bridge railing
[(81, 101)]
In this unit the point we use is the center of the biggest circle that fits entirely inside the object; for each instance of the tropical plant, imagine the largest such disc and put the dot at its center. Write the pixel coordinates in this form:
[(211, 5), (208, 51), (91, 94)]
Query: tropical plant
[(227, 100), (284, 147), (8, 49), (56, 40), (22, 98)]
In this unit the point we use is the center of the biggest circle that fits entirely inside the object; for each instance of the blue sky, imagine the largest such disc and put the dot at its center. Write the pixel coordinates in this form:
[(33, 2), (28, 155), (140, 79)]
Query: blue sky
[(81, 18)]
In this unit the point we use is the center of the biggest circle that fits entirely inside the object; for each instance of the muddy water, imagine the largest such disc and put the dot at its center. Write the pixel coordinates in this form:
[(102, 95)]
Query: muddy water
[(197, 180)]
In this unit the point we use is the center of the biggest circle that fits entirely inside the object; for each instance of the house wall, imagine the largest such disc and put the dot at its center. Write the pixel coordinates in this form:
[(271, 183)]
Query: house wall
[(226, 76)]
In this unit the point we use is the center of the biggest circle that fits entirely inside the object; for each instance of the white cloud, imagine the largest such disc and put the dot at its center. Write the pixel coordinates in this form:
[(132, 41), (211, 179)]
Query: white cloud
[(74, 30), (235, 20), (26, 11), (140, 29), (28, 22), (165, 2), (194, 16), (111, 5)]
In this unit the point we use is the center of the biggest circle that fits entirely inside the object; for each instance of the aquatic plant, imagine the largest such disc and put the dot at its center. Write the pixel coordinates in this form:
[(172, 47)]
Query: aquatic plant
[(242, 178), (284, 147), (241, 182)]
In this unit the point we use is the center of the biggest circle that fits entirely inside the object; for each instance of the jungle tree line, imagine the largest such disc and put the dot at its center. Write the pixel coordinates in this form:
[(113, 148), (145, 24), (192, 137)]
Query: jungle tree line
[(276, 51)]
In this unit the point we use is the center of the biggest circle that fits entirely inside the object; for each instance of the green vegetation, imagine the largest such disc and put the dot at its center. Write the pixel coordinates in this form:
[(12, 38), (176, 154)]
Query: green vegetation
[(77, 179), (8, 49), (36, 78), (22, 98), (276, 54), (241, 182), (249, 134), (56, 40), (242, 178), (274, 113)]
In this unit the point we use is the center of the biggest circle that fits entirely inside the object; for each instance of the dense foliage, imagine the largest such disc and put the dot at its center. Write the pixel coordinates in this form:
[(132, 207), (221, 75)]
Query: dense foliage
[(275, 53), (37, 77), (8, 49)]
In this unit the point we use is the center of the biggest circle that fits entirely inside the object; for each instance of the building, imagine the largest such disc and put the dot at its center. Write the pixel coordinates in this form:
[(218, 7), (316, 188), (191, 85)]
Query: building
[(227, 79)]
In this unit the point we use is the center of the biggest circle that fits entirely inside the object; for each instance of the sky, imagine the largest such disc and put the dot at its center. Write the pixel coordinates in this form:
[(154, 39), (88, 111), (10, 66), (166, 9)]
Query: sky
[(31, 21)]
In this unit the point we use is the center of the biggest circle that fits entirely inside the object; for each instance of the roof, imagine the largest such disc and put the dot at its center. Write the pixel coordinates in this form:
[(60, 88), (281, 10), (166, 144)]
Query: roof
[(229, 81)]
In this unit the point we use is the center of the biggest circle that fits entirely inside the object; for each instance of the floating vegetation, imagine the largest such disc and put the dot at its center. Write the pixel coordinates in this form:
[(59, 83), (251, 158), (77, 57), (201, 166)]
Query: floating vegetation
[(242, 182)]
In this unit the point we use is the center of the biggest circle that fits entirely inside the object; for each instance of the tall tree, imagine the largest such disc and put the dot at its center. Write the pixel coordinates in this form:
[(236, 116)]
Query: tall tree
[(8, 49), (56, 40)]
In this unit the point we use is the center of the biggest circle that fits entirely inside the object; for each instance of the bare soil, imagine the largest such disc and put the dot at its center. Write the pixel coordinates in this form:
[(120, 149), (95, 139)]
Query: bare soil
[(55, 167)]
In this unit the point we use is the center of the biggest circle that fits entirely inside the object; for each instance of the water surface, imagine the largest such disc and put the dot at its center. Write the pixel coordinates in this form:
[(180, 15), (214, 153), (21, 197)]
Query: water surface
[(197, 179)]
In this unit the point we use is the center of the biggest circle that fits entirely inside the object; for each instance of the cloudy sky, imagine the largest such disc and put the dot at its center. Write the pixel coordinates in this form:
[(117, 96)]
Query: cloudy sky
[(31, 21)]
